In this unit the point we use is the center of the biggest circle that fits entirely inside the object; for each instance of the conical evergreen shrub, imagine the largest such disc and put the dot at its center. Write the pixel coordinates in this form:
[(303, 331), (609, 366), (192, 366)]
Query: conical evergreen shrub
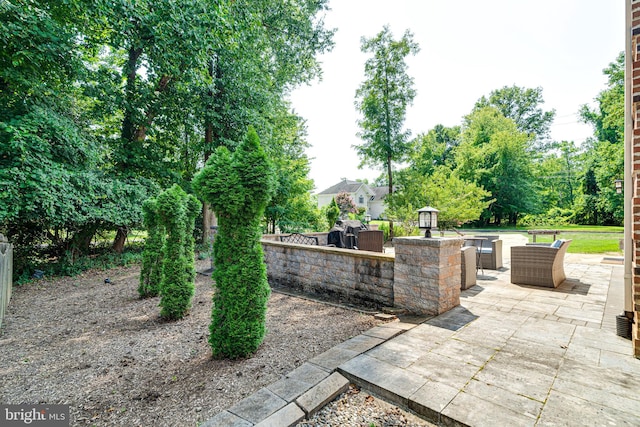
[(151, 271), (177, 211), (238, 187)]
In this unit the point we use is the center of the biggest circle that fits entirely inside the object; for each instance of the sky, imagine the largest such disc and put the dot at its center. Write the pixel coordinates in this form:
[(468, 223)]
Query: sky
[(467, 49)]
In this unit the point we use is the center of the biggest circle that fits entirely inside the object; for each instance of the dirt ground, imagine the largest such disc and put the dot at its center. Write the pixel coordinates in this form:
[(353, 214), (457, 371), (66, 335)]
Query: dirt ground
[(99, 348)]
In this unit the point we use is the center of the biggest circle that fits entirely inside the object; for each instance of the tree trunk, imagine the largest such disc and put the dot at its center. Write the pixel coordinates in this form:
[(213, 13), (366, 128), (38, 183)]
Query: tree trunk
[(121, 237), (128, 126), (390, 193), (208, 220), (81, 241), (140, 133), (208, 217), (132, 133), (513, 218)]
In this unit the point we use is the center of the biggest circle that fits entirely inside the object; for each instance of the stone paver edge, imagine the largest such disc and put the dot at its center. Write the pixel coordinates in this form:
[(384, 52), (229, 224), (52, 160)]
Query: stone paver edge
[(284, 414)]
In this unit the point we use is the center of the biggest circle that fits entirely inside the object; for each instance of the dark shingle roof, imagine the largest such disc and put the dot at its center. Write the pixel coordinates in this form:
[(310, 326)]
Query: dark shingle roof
[(380, 192), (345, 185)]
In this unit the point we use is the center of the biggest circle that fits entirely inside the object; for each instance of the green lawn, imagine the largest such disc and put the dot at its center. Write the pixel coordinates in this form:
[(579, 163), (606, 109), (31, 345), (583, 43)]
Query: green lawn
[(585, 239), (586, 242)]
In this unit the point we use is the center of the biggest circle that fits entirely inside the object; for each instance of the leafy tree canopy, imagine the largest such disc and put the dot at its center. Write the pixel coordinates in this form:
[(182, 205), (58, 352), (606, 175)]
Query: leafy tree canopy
[(607, 118), (345, 203), (384, 96), (495, 155), (458, 201), (382, 99), (523, 106), (435, 148), (104, 102), (604, 160), (291, 208)]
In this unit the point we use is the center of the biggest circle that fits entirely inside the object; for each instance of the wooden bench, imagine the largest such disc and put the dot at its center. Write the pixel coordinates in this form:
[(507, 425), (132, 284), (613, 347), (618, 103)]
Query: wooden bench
[(299, 239), (543, 232)]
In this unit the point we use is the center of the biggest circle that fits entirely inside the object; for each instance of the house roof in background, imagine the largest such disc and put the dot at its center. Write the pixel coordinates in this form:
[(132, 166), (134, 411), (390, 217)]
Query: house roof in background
[(347, 186), (381, 192)]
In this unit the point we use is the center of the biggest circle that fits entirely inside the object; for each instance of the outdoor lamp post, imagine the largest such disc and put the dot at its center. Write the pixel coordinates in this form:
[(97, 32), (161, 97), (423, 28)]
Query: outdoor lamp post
[(618, 183), (427, 219), (367, 218)]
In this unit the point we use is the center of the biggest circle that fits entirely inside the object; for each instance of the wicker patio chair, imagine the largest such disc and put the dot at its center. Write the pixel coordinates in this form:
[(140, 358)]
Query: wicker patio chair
[(468, 278), (539, 265), (491, 253)]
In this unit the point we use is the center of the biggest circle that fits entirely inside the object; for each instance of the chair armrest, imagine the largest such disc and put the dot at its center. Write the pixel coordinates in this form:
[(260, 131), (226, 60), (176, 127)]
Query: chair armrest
[(496, 247)]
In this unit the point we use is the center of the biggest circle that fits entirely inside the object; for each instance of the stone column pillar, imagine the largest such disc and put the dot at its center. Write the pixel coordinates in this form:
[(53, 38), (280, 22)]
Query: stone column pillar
[(427, 274)]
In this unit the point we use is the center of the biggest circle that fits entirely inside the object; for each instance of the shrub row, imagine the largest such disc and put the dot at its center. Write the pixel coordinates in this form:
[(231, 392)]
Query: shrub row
[(168, 266)]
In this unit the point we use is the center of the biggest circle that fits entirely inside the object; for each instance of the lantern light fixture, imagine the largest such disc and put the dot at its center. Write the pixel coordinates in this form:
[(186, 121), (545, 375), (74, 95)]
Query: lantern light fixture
[(427, 219), (618, 183)]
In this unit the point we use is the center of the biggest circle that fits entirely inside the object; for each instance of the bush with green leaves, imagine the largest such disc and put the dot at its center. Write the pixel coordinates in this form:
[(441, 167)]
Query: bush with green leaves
[(238, 187), (332, 213), (555, 217), (151, 270), (177, 211), (399, 229), (359, 214)]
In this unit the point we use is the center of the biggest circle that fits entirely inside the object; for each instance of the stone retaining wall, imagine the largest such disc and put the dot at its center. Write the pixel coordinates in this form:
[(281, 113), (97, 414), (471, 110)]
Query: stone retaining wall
[(355, 277), (427, 273)]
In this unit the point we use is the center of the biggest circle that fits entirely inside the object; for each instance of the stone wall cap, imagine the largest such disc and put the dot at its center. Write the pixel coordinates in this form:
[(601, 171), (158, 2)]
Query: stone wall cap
[(429, 241), (333, 250)]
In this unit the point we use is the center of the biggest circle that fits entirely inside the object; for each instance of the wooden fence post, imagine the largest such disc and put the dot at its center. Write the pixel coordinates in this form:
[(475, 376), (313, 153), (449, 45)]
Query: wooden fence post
[(6, 274)]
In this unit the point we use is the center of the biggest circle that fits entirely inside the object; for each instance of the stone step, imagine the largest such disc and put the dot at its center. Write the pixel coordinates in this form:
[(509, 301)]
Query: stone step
[(327, 390), (288, 416)]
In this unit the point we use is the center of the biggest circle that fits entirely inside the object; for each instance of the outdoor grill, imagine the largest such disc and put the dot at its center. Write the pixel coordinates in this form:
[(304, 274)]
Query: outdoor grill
[(344, 234)]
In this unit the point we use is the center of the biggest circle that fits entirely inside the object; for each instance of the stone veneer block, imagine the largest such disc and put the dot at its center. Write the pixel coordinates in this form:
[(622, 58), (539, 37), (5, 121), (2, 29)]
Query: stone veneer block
[(288, 416), (359, 277), (258, 406), (391, 383), (427, 274), (227, 419), (323, 393), (298, 381), (334, 357)]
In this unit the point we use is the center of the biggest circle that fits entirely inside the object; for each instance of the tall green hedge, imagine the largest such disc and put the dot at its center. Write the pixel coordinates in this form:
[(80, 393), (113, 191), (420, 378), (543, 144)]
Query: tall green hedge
[(151, 271), (238, 186), (177, 211)]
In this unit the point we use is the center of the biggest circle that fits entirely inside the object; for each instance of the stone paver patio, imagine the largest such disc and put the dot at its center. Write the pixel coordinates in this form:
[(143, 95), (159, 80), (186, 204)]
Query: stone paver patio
[(508, 355)]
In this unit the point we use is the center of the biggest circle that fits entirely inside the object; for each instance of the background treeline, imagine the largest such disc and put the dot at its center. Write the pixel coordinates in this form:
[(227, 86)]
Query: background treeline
[(105, 103), (500, 167)]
